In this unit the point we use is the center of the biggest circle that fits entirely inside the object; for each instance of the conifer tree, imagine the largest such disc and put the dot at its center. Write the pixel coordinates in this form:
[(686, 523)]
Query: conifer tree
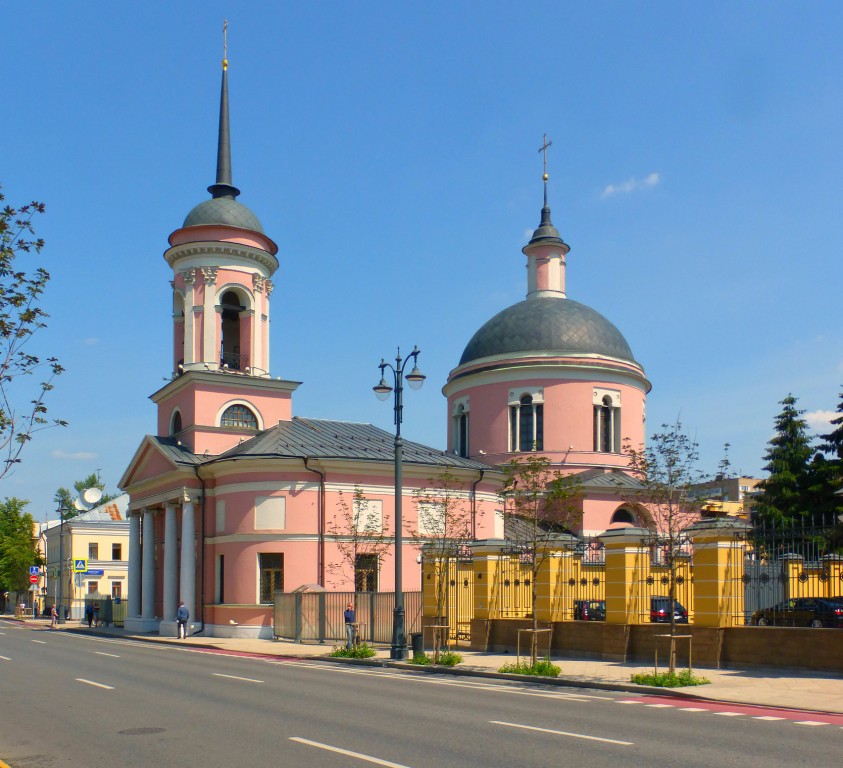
[(785, 493), (828, 469)]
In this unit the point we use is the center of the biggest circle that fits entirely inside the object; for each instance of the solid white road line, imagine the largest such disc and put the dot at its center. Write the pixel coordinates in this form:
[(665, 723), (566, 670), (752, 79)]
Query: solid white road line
[(692, 709), (348, 753), (234, 677), (766, 717), (623, 701), (42, 642), (729, 714), (91, 682), (808, 722), (564, 733), (101, 653), (5, 658), (660, 706)]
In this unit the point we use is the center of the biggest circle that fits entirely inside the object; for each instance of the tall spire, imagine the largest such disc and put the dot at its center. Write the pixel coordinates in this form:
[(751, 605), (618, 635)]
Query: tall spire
[(223, 186), (546, 232)]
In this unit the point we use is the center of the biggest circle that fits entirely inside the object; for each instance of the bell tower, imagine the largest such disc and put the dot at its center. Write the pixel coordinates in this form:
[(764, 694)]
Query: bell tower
[(223, 265)]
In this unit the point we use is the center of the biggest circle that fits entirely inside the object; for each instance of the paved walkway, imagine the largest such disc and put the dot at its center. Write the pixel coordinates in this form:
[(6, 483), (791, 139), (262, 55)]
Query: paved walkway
[(771, 687)]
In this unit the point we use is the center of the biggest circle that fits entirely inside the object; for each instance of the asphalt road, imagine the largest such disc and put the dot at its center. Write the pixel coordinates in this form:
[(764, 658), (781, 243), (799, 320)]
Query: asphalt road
[(74, 700)]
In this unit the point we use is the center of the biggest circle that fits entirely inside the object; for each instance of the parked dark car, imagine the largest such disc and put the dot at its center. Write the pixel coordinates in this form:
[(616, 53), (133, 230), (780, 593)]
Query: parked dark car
[(660, 611), (590, 610), (802, 612)]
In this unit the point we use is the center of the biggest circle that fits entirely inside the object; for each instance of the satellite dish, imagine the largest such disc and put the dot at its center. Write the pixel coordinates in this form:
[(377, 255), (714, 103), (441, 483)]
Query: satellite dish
[(80, 505), (92, 495)]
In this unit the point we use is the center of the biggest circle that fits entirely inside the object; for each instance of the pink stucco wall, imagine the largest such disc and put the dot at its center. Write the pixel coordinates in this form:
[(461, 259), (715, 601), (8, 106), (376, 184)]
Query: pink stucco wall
[(209, 233)]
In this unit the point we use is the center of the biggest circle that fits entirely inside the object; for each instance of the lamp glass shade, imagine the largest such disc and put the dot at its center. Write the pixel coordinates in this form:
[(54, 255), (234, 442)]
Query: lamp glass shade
[(382, 390), (415, 378)]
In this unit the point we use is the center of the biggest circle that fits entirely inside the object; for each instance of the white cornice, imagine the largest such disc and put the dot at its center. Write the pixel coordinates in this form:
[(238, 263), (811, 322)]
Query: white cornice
[(223, 381), (209, 254)]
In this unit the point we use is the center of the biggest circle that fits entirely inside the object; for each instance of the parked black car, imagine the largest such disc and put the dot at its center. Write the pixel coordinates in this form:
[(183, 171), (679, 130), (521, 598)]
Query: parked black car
[(590, 610), (802, 612), (660, 611)]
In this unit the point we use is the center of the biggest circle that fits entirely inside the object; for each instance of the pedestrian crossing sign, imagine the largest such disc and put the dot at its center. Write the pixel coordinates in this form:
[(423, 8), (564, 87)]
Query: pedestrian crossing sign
[(80, 566)]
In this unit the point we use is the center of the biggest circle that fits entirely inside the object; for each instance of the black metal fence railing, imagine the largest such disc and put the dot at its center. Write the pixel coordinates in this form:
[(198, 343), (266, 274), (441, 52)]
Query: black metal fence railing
[(318, 616)]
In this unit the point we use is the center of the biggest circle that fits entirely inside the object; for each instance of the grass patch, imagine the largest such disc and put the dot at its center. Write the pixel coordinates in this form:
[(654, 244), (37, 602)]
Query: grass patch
[(422, 659), (450, 659), (666, 680), (542, 668), (360, 651)]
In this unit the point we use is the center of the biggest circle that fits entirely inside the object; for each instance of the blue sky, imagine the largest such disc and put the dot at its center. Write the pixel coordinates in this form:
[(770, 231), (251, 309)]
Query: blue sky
[(390, 149)]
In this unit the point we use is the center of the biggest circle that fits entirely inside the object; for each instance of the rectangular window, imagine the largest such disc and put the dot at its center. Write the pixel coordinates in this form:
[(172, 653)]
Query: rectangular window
[(93, 551), (116, 551), (366, 573), (270, 513), (220, 520), (271, 567), (117, 589), (513, 428), (431, 518), (220, 595), (93, 587)]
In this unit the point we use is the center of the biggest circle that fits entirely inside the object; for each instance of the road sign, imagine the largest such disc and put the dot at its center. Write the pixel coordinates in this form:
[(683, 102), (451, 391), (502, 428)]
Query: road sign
[(33, 570), (33, 579), (80, 566), (94, 572)]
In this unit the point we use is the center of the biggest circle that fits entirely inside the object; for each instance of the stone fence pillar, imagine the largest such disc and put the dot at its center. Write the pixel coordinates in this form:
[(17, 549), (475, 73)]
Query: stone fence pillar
[(627, 559), (487, 555)]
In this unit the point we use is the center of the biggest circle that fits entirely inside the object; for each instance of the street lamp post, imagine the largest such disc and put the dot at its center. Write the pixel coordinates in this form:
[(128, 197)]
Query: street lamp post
[(60, 590), (415, 378)]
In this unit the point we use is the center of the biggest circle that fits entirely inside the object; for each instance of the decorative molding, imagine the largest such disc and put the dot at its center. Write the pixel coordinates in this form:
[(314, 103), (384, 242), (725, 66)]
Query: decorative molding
[(269, 287), (210, 275), (221, 250), (189, 276), (258, 281)]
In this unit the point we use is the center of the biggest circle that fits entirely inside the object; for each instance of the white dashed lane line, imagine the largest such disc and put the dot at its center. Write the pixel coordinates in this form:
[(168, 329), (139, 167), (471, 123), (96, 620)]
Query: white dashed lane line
[(808, 722), (234, 677), (564, 733), (5, 658), (40, 642), (112, 655), (767, 717), (347, 752), (96, 685)]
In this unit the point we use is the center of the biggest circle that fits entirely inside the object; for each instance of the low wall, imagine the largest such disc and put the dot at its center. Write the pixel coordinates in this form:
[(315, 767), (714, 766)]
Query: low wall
[(816, 649)]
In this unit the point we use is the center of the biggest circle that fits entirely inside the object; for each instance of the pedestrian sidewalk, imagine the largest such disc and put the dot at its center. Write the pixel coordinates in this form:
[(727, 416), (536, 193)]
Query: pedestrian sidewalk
[(761, 686)]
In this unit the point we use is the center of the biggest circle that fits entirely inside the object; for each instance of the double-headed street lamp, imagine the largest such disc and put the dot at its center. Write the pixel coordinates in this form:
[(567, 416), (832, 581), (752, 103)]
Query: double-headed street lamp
[(415, 378)]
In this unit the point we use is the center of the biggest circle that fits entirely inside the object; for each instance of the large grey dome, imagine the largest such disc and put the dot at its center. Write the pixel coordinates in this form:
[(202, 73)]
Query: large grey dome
[(547, 326), (223, 210)]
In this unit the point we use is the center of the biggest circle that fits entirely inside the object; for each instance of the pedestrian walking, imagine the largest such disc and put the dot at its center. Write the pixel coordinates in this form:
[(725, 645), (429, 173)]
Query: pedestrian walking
[(89, 614), (182, 615), (350, 626), (54, 617), (96, 614)]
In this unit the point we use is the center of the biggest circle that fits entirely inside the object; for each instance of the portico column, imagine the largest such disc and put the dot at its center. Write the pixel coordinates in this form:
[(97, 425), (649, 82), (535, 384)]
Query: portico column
[(171, 560), (188, 557), (148, 568), (134, 574)]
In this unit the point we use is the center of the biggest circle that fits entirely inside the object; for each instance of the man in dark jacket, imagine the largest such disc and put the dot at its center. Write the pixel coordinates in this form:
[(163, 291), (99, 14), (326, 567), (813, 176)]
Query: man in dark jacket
[(182, 615), (350, 626)]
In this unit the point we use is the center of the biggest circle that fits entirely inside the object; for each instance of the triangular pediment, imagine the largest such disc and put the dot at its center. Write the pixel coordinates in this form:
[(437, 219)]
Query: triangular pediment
[(154, 458)]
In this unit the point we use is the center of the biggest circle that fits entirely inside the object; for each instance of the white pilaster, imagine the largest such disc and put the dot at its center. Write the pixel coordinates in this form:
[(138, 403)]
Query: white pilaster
[(210, 341), (189, 323), (188, 558), (134, 574)]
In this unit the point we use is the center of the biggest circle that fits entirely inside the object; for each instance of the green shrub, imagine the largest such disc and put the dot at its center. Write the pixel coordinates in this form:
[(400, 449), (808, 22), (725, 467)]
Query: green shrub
[(450, 659), (666, 680), (360, 651), (542, 668), (422, 659)]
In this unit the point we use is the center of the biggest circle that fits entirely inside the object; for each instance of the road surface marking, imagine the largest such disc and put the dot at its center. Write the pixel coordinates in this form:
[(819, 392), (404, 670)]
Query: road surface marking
[(767, 717), (234, 677), (5, 658), (42, 642), (91, 682), (563, 733), (349, 753), (728, 714), (101, 653), (659, 706), (629, 702), (809, 722), (698, 709)]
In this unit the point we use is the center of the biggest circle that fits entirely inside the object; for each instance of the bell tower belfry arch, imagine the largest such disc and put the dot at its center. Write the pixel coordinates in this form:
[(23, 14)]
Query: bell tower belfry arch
[(223, 266)]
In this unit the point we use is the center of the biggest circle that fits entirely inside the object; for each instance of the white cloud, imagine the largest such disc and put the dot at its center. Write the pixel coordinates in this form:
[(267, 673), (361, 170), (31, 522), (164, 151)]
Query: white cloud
[(820, 421), (77, 456), (631, 185)]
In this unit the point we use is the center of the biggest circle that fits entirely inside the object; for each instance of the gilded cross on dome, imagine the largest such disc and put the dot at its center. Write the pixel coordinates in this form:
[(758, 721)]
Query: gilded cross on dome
[(543, 148), (225, 44)]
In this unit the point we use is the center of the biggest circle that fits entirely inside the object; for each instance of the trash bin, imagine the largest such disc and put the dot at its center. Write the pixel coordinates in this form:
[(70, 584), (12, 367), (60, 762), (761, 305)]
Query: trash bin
[(417, 643)]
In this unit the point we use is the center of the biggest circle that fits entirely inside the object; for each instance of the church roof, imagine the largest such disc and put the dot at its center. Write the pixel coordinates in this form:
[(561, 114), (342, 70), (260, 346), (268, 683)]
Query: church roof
[(324, 439), (223, 210), (547, 325)]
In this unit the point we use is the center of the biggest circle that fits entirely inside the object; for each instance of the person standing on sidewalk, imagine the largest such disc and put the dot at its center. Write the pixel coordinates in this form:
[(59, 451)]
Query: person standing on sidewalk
[(350, 626), (182, 615), (54, 617)]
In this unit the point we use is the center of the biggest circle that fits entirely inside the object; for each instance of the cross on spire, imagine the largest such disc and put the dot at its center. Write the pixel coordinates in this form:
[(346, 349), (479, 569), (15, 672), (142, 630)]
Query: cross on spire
[(543, 148), (225, 44)]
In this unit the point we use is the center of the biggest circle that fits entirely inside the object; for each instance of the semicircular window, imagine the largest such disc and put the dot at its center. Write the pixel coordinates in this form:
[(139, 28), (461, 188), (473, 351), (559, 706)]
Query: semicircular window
[(239, 416)]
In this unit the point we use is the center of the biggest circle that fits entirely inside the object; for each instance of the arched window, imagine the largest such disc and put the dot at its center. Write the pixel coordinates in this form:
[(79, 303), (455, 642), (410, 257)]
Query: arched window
[(623, 515), (230, 356), (526, 425), (239, 416), (176, 426), (607, 422), (461, 431)]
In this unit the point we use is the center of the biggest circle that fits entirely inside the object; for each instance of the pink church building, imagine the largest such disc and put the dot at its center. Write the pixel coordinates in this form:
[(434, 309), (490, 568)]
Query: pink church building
[(233, 497)]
